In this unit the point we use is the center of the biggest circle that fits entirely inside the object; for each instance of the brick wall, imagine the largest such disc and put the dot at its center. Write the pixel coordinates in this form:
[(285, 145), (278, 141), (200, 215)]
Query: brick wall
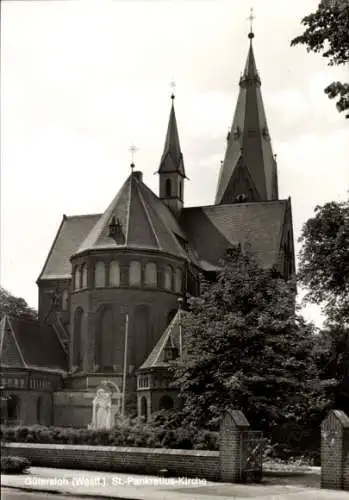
[(188, 463), (346, 460), (335, 451)]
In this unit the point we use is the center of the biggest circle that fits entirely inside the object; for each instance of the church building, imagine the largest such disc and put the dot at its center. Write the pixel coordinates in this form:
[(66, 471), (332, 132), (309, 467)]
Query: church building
[(114, 285)]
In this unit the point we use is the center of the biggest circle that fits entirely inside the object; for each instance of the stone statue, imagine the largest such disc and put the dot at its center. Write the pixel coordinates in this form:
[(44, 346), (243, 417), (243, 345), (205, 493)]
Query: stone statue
[(101, 416), (106, 405)]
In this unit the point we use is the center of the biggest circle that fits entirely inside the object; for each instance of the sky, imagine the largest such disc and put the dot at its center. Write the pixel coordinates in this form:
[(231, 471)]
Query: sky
[(84, 80)]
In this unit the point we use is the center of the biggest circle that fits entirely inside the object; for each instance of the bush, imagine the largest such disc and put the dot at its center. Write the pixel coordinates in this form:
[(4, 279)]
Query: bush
[(131, 433), (14, 465)]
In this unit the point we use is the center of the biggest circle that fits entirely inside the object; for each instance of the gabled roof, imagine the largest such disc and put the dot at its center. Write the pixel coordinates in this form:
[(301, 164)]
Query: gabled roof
[(172, 157), (248, 143), (69, 236), (170, 338), (216, 228), (25, 343), (146, 223)]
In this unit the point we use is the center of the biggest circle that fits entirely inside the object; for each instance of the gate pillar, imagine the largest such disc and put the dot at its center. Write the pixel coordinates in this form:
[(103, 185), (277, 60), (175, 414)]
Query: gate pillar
[(233, 424)]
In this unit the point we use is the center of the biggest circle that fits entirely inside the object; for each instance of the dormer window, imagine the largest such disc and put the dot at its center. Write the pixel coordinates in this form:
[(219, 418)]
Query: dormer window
[(171, 353), (115, 231)]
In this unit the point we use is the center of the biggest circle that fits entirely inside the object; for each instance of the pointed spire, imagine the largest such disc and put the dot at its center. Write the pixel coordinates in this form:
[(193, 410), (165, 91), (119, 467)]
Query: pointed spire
[(172, 158), (250, 71), (249, 166)]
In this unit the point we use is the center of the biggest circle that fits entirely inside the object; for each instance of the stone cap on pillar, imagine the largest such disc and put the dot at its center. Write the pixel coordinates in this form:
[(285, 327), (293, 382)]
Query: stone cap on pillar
[(236, 417), (340, 416)]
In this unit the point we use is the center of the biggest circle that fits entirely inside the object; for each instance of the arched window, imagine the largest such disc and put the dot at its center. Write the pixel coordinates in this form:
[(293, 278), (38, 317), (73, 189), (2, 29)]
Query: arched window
[(84, 276), (77, 339), (144, 409), (110, 340), (77, 278), (142, 339), (165, 403), (65, 300), (135, 273), (168, 188), (107, 335), (99, 274), (168, 278), (150, 278), (114, 273), (13, 409), (178, 280)]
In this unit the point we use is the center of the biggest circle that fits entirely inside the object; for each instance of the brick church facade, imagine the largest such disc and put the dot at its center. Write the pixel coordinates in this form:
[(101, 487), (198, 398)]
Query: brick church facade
[(116, 277)]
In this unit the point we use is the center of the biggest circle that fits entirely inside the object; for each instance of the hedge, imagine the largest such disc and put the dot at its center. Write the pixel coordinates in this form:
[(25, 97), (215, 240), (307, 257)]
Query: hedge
[(138, 435)]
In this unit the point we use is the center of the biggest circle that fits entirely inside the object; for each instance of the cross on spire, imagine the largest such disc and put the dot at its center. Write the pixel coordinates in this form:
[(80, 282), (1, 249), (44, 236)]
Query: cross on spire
[(133, 150), (251, 18), (173, 86)]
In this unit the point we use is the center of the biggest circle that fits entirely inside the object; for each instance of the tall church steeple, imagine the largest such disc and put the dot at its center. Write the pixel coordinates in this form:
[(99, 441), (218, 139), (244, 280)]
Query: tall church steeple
[(171, 171), (249, 171)]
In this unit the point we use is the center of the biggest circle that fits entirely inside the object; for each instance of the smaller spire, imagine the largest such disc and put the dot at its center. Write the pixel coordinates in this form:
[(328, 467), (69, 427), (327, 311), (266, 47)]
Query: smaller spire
[(172, 158)]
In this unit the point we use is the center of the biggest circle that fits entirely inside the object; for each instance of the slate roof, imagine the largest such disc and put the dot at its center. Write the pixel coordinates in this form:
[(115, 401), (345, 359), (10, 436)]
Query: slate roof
[(249, 141), (68, 239), (145, 221), (213, 229), (170, 337), (25, 343)]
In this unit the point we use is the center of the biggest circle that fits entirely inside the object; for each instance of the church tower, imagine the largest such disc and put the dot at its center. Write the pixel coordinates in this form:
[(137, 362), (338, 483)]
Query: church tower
[(171, 171), (249, 171)]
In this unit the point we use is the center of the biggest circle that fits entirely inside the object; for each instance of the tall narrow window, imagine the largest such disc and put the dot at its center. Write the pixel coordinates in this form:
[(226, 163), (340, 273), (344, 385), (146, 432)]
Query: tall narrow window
[(114, 273), (144, 409), (181, 190), (141, 344), (39, 409), (150, 278), (135, 273), (77, 340), (65, 299), (107, 340), (168, 189), (99, 274), (77, 278), (178, 281), (168, 278), (84, 276)]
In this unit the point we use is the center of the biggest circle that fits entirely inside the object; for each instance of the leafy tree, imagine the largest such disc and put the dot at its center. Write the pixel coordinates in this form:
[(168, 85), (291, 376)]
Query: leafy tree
[(327, 31), (324, 259), (246, 348), (15, 306), (332, 351)]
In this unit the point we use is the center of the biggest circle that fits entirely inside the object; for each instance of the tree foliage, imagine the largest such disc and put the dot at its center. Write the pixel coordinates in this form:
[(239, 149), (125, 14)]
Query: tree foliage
[(246, 348), (324, 259), (15, 306), (332, 353), (327, 31)]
